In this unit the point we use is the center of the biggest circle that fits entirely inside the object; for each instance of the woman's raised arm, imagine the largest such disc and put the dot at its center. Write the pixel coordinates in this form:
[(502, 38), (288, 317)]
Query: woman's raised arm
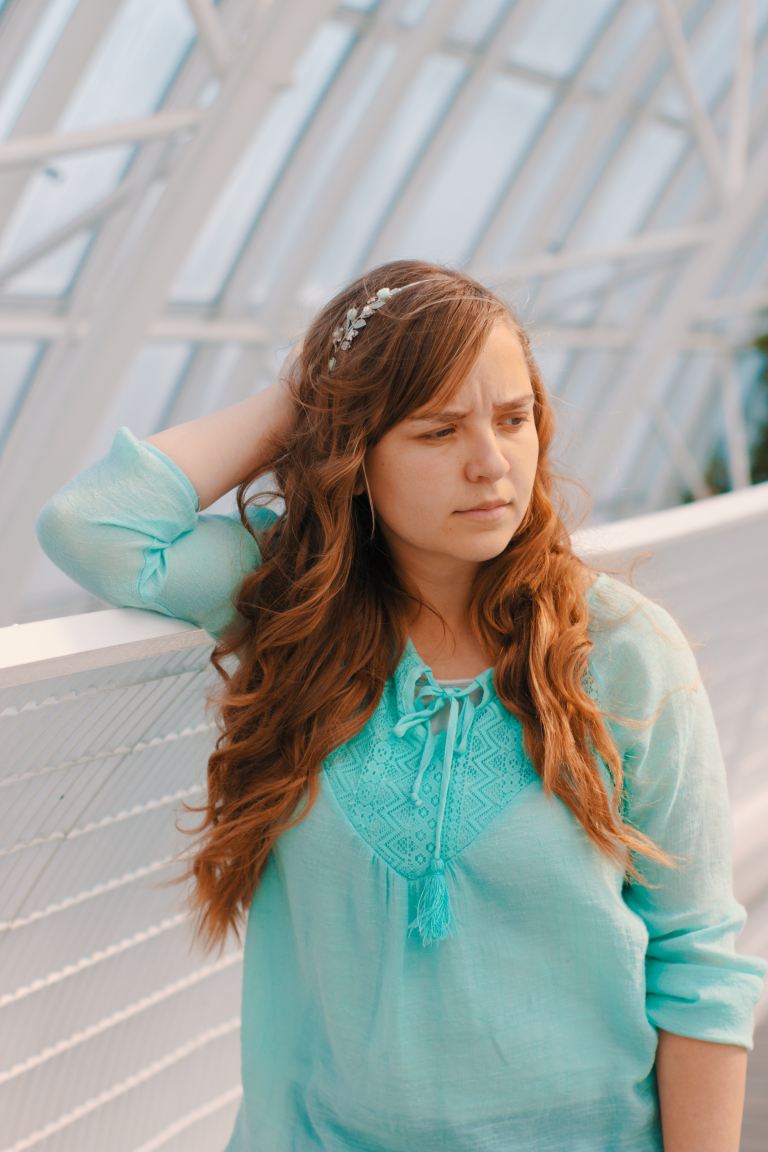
[(217, 451), (129, 527)]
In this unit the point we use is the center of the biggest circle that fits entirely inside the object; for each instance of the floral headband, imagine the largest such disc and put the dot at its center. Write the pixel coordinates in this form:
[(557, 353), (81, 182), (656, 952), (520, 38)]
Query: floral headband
[(358, 317)]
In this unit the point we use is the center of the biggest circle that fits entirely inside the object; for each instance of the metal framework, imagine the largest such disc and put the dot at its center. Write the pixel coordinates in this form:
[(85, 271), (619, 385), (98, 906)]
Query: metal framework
[(665, 311)]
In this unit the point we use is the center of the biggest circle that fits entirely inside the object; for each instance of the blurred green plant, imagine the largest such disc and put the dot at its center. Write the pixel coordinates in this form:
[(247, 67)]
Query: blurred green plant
[(760, 448), (717, 473)]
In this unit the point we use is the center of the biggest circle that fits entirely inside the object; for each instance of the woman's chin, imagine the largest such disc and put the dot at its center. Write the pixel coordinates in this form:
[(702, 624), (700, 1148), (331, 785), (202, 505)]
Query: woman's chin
[(486, 549)]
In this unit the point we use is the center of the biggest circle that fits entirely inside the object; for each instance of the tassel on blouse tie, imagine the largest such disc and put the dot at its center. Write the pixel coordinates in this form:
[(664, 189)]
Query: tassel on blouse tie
[(433, 918)]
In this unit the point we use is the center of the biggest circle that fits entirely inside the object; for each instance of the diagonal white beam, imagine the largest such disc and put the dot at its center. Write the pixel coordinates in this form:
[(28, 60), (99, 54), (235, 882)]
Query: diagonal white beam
[(741, 91), (702, 395), (744, 311), (680, 453), (46, 326), (178, 327), (119, 231), (651, 244), (610, 378), (612, 117), (17, 27), (48, 427), (443, 140), (661, 339), (212, 35), (63, 72), (175, 327), (60, 78), (25, 152), (736, 438), (725, 306), (94, 214), (413, 45), (591, 154), (702, 125), (213, 333)]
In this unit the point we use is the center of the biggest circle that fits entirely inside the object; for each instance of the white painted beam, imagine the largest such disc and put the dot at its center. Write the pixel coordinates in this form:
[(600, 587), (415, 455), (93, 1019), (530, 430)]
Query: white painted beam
[(212, 36), (702, 125), (26, 152), (741, 96)]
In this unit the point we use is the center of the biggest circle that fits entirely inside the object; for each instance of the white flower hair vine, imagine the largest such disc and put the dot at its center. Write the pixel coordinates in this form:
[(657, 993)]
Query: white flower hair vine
[(357, 318)]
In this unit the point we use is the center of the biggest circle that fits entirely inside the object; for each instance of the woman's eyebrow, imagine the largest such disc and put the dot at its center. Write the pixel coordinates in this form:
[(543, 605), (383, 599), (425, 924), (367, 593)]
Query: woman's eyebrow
[(454, 414)]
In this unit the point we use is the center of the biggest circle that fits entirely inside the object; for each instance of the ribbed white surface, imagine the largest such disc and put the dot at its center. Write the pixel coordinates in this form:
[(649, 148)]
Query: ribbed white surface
[(112, 1028)]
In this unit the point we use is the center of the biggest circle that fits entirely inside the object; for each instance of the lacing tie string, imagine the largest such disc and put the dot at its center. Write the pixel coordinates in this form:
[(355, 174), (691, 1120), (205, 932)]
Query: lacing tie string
[(433, 918)]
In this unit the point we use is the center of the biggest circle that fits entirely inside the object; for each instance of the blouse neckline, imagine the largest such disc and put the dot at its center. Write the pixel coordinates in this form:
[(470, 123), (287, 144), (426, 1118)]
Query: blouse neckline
[(411, 658)]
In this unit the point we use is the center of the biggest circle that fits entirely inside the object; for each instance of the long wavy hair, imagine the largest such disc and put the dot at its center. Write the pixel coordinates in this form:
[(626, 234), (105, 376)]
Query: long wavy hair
[(302, 681)]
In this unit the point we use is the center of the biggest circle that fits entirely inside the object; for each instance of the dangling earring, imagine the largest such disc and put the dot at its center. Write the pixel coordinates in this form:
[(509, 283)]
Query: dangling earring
[(373, 514)]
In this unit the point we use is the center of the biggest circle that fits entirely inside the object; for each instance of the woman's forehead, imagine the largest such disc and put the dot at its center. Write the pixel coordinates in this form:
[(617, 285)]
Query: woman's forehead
[(508, 372)]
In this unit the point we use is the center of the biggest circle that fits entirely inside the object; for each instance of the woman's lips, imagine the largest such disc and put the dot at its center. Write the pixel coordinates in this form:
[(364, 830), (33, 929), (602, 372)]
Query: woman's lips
[(485, 513)]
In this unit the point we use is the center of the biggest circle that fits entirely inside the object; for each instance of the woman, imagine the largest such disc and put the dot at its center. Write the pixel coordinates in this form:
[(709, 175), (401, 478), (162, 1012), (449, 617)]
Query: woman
[(445, 743)]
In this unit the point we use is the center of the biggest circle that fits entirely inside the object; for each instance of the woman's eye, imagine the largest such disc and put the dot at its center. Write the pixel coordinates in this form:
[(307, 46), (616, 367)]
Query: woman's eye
[(438, 435)]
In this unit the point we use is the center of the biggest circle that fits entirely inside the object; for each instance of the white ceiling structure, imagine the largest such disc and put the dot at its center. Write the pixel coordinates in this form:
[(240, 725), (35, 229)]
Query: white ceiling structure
[(184, 183)]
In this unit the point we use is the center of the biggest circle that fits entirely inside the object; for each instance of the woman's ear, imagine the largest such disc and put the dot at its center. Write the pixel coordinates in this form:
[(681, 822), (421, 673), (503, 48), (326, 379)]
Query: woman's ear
[(360, 485)]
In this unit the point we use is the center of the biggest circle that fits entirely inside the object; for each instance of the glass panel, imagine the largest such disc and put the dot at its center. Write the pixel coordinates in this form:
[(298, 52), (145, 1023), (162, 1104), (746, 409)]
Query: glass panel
[(686, 388), (18, 360), (144, 395), (552, 361), (744, 269), (634, 178), (713, 48), (631, 28), (558, 35), (688, 197), (219, 243), (635, 289), (65, 187), (145, 40), (32, 62), (712, 52), (477, 20), (404, 140), (572, 296), (314, 189), (486, 150), (412, 11), (553, 167), (760, 73)]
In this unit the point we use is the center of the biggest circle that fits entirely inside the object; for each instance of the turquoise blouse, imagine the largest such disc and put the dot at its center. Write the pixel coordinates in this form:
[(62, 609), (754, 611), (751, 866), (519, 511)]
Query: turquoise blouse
[(438, 957)]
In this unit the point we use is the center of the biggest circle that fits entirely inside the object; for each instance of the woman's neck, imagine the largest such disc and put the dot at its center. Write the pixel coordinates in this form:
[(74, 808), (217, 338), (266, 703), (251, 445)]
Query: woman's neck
[(449, 660)]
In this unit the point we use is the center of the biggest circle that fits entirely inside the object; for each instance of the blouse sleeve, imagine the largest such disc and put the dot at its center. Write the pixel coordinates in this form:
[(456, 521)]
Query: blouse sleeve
[(128, 528), (697, 984)]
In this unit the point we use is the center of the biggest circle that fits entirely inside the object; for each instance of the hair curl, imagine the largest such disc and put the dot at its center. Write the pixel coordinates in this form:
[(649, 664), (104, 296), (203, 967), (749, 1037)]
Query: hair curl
[(284, 707)]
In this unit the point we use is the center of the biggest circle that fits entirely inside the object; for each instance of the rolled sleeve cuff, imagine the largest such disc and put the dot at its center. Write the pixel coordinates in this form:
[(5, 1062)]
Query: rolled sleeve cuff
[(707, 1001)]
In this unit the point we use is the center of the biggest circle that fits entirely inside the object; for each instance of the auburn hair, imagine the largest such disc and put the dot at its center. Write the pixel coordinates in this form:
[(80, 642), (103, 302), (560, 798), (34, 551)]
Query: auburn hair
[(302, 681)]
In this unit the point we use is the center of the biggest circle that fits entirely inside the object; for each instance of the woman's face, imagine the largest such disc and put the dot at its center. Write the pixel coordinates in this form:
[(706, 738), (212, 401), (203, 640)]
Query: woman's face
[(428, 469)]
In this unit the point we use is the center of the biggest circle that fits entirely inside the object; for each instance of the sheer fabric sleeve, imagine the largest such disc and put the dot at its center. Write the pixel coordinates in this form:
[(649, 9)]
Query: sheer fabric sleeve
[(697, 984), (128, 528)]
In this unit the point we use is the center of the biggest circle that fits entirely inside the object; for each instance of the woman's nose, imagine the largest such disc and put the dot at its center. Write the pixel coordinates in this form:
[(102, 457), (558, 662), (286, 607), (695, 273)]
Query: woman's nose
[(486, 458)]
